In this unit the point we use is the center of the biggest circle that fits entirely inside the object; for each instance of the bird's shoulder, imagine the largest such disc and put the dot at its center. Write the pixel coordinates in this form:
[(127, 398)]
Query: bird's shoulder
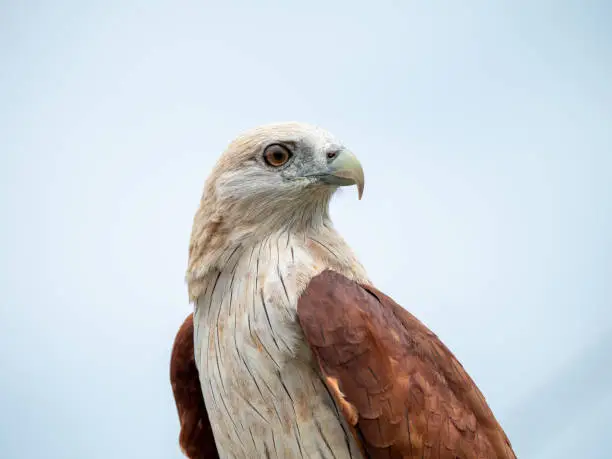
[(400, 388)]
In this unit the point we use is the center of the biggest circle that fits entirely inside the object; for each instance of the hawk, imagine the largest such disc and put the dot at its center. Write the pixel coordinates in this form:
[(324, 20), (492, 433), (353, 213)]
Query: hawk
[(291, 352)]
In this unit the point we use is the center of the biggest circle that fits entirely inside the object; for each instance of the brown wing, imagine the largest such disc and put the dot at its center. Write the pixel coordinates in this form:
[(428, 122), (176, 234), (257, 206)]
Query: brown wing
[(196, 437), (402, 390)]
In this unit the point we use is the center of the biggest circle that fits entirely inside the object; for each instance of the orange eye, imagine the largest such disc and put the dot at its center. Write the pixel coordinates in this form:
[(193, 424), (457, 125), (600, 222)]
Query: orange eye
[(276, 155)]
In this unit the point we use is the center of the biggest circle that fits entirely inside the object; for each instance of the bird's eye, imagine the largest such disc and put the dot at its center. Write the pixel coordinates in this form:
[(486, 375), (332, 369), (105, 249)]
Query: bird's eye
[(276, 155)]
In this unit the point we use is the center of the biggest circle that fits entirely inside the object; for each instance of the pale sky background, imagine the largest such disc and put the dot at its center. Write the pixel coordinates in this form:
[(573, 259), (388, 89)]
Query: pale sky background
[(485, 131)]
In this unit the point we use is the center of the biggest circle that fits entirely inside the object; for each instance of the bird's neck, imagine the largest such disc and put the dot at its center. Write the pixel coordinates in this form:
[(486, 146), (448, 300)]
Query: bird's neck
[(223, 231), (317, 243)]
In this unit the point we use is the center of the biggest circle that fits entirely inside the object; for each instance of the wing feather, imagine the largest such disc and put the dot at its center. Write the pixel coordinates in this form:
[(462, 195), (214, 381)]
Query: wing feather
[(398, 385), (196, 437)]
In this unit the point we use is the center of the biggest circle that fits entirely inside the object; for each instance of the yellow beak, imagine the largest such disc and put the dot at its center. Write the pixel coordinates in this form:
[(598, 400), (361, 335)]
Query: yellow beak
[(344, 170)]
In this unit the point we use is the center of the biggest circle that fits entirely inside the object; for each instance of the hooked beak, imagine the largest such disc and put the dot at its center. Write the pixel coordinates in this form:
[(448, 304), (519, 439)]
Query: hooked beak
[(345, 170)]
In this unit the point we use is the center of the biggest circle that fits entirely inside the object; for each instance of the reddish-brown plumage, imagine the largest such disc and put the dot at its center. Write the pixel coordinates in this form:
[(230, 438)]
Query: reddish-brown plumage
[(405, 393), (196, 437)]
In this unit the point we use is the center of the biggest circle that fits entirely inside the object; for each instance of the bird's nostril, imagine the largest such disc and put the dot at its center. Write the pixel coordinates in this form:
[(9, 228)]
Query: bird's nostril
[(332, 154)]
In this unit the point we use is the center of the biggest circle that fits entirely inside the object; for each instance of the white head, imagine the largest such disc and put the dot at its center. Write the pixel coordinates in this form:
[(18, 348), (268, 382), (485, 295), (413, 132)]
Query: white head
[(270, 178), (274, 171)]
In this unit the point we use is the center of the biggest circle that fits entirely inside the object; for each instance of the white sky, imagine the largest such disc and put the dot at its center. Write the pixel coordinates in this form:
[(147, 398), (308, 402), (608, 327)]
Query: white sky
[(484, 131)]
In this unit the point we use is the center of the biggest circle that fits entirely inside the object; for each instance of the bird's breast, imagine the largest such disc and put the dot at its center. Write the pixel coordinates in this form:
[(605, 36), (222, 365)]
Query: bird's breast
[(263, 394)]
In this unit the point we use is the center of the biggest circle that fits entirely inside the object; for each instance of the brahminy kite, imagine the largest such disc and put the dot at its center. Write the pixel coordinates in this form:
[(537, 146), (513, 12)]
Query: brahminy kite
[(291, 352)]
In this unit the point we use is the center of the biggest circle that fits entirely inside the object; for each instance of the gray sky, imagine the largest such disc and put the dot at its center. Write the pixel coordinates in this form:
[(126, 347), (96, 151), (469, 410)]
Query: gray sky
[(484, 131)]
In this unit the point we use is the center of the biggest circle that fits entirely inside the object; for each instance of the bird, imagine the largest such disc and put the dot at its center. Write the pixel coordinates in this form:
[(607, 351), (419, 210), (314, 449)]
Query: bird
[(291, 351)]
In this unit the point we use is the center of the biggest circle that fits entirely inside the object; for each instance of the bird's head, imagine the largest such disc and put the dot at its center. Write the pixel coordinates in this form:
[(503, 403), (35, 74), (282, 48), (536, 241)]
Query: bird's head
[(280, 169), (268, 179)]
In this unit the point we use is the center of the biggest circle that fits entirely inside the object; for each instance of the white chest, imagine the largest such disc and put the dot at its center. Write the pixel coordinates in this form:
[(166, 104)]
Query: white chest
[(263, 393)]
